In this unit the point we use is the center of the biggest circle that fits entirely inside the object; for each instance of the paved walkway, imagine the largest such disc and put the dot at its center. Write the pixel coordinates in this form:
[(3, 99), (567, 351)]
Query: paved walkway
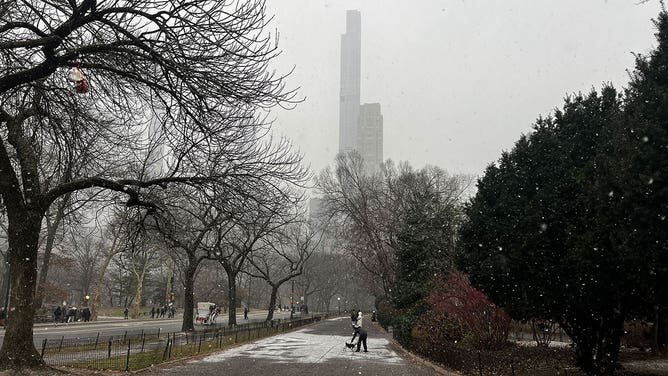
[(314, 350)]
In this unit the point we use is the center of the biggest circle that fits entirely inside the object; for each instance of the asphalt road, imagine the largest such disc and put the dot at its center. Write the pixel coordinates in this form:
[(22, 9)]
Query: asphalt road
[(317, 349), (108, 327)]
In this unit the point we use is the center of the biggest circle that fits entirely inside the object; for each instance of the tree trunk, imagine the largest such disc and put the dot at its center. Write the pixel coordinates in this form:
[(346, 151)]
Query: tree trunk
[(660, 330), (272, 302), (50, 239), (136, 301), (188, 301), (51, 229), (94, 308), (169, 286), (18, 350), (232, 296), (603, 341)]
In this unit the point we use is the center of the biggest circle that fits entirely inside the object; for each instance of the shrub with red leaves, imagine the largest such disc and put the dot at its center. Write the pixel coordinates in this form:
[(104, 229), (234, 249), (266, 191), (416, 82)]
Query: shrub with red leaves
[(487, 323)]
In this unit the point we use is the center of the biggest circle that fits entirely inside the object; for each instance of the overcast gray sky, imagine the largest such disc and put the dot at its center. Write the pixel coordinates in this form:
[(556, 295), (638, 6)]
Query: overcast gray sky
[(458, 80)]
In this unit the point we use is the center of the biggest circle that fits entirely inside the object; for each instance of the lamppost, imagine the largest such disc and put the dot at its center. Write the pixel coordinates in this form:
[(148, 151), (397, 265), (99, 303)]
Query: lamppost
[(292, 300), (339, 299)]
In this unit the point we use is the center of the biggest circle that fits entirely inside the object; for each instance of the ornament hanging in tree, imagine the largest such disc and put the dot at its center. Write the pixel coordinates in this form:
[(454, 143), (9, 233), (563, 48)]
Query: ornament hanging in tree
[(80, 82)]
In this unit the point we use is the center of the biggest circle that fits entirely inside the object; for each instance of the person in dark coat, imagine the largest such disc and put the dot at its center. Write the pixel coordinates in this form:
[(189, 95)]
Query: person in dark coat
[(85, 314), (57, 314), (362, 340)]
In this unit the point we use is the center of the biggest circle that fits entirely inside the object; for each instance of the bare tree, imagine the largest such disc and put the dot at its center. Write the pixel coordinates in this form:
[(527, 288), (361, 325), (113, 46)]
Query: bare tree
[(109, 249), (361, 214), (252, 220), (83, 251), (281, 257), (138, 259), (192, 218), (369, 212), (323, 278), (197, 69)]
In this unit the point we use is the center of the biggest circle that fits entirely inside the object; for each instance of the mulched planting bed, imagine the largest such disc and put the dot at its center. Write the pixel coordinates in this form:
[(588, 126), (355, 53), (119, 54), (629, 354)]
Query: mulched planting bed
[(535, 361)]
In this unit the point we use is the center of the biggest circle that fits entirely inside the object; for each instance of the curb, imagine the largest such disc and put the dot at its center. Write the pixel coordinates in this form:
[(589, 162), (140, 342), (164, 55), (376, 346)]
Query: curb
[(414, 357)]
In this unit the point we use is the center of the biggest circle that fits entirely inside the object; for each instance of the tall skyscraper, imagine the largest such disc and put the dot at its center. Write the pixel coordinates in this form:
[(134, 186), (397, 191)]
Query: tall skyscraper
[(349, 106), (370, 137), (360, 127)]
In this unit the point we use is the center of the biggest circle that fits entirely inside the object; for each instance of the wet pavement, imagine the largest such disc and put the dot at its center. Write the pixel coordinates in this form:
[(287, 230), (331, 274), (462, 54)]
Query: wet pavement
[(314, 350)]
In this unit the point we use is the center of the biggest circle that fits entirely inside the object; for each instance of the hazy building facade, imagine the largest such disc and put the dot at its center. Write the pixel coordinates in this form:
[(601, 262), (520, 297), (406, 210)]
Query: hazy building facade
[(370, 137), (349, 106), (360, 127)]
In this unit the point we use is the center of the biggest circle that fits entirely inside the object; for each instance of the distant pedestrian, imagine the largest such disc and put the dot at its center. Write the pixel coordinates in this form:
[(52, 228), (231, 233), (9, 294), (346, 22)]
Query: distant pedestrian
[(85, 314), (72, 314), (125, 313), (152, 312), (57, 315), (63, 314), (245, 313)]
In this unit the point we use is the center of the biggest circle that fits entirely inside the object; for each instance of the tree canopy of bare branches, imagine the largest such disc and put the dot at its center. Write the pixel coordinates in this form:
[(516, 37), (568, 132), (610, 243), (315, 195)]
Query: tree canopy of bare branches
[(384, 214), (175, 92)]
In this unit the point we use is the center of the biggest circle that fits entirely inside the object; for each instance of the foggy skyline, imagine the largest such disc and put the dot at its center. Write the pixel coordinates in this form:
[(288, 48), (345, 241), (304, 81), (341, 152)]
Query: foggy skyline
[(459, 81)]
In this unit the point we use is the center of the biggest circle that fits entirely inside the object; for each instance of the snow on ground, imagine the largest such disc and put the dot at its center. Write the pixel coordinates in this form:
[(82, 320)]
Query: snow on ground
[(658, 366), (552, 344), (305, 347)]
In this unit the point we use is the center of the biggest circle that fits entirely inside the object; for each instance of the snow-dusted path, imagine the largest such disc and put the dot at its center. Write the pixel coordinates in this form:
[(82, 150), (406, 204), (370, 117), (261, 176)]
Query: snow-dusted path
[(316, 350)]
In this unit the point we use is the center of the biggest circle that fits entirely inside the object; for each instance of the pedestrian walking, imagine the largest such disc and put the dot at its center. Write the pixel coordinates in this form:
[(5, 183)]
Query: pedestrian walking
[(125, 313), (245, 313), (152, 312), (57, 314)]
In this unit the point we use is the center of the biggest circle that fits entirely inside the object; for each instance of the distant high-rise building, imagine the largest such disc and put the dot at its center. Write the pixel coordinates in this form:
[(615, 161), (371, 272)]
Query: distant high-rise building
[(316, 208), (360, 127), (370, 137), (349, 106)]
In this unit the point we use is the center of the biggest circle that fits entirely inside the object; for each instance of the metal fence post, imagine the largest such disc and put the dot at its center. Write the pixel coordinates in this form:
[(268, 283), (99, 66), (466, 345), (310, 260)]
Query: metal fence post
[(61, 343), (97, 339), (127, 358), (43, 347), (143, 340), (171, 345), (158, 334), (164, 354), (109, 350), (199, 348)]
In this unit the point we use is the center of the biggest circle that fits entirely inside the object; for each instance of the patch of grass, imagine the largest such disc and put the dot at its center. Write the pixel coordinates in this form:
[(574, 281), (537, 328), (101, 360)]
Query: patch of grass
[(118, 311)]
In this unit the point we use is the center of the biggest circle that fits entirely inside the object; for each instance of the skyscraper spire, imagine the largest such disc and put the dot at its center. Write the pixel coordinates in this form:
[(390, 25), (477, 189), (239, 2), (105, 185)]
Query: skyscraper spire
[(349, 105)]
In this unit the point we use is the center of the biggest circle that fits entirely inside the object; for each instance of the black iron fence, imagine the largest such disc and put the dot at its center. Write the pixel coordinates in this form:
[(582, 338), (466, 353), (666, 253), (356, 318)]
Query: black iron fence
[(137, 351)]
